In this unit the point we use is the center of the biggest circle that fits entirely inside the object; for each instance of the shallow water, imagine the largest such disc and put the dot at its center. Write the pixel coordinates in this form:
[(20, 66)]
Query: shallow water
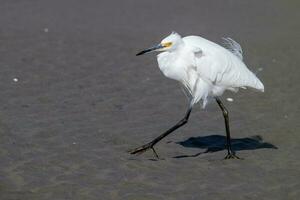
[(83, 99)]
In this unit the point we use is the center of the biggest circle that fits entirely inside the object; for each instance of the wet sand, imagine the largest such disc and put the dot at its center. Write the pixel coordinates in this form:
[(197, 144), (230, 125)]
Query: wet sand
[(74, 99)]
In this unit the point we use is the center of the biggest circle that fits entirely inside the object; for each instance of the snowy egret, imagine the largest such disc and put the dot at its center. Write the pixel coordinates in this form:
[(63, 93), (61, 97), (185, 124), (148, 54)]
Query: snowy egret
[(206, 70)]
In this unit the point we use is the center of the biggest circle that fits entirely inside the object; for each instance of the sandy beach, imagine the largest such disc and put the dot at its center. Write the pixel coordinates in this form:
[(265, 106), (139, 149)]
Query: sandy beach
[(75, 98)]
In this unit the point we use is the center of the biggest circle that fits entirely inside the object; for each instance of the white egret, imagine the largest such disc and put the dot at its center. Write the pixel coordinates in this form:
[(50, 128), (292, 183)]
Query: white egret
[(206, 70)]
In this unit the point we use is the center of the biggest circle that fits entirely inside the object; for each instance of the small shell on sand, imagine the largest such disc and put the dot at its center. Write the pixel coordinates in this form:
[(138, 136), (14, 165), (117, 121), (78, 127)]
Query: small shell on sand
[(230, 99)]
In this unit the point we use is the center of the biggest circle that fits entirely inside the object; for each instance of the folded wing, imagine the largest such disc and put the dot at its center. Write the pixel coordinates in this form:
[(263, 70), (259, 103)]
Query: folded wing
[(221, 66)]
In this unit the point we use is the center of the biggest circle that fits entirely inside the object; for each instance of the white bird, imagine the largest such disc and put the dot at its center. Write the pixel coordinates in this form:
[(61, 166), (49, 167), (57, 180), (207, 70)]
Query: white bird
[(206, 70)]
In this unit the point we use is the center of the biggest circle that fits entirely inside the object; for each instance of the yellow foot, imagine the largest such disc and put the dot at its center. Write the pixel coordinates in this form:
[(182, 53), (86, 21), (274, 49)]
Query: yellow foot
[(231, 156)]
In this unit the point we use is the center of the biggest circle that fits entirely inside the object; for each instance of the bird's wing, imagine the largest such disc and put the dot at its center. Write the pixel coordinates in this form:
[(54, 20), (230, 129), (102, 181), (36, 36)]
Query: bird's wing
[(209, 69), (233, 47), (220, 66), (206, 59)]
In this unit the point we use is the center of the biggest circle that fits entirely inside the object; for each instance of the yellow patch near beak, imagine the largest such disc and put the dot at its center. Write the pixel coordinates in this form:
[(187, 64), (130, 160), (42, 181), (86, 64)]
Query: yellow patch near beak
[(167, 44)]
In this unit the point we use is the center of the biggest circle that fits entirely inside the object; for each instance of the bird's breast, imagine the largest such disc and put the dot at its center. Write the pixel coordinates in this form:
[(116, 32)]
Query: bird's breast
[(171, 66)]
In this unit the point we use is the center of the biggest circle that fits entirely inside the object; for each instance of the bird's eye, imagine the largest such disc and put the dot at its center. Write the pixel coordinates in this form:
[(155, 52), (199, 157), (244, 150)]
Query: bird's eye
[(167, 44)]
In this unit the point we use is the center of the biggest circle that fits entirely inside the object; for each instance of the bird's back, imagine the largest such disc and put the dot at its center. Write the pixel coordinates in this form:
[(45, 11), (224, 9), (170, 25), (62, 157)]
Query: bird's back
[(221, 66)]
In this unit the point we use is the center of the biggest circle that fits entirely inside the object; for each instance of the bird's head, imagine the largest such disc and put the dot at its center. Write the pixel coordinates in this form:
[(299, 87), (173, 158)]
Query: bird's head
[(169, 43)]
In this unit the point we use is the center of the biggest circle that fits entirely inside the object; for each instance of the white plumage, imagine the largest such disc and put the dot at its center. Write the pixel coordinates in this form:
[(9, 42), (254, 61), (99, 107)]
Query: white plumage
[(206, 69)]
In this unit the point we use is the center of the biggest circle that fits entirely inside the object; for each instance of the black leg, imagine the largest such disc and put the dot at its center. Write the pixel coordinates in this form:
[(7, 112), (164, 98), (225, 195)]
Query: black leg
[(231, 153), (151, 144)]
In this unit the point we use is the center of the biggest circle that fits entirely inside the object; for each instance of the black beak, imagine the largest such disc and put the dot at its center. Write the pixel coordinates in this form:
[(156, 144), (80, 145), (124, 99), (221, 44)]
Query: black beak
[(150, 49)]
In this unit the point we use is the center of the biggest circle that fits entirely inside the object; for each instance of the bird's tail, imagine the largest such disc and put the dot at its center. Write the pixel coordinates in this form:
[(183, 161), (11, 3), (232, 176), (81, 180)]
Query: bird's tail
[(260, 86), (256, 84)]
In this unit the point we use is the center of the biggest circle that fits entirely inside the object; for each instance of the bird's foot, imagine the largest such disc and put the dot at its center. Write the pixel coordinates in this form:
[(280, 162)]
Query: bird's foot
[(143, 148), (231, 155)]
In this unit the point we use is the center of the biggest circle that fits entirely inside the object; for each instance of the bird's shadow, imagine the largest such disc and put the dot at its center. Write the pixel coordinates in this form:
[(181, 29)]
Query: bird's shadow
[(214, 143)]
